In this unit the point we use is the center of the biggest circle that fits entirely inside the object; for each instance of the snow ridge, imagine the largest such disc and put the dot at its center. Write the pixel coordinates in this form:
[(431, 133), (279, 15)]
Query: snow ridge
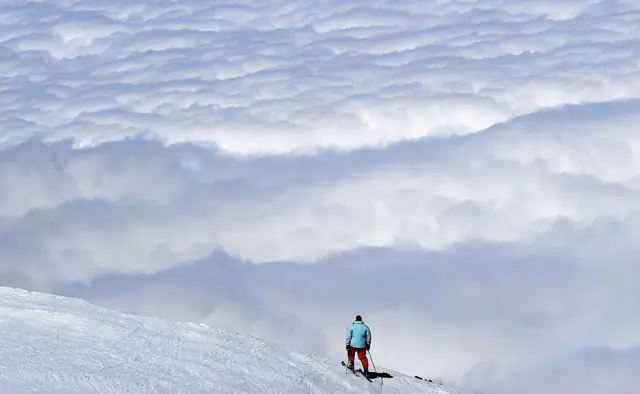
[(54, 344)]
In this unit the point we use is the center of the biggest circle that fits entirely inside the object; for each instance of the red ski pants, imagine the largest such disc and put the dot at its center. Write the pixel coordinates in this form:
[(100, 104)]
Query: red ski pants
[(362, 355)]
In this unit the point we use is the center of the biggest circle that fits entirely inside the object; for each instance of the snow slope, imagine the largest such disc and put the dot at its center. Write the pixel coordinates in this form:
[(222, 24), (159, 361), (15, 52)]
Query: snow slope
[(52, 344)]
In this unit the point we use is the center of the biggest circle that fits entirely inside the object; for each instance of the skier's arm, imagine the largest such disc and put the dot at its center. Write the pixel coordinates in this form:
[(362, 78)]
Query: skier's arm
[(368, 336), (349, 335)]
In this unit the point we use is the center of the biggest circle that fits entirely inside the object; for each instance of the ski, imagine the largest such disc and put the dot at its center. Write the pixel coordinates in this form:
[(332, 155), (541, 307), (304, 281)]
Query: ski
[(346, 367), (349, 370), (356, 372), (363, 375)]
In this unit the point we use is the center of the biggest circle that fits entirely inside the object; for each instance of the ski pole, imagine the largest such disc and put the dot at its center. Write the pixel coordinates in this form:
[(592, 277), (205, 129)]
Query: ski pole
[(375, 370), (372, 363)]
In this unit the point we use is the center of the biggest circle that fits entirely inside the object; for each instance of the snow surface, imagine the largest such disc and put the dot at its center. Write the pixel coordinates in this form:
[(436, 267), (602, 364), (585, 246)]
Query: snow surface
[(53, 344)]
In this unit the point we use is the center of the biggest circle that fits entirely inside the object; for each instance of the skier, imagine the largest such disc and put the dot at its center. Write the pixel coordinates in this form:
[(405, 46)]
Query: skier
[(358, 340)]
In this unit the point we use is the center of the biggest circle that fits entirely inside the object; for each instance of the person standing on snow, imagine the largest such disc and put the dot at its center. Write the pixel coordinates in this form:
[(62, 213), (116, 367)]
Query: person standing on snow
[(358, 340)]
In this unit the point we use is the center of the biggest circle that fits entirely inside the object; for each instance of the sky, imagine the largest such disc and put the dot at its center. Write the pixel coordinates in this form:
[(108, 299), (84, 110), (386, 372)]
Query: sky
[(463, 174)]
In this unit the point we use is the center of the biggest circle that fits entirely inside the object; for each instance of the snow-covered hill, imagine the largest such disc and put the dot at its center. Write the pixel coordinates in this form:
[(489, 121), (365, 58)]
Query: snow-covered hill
[(52, 344)]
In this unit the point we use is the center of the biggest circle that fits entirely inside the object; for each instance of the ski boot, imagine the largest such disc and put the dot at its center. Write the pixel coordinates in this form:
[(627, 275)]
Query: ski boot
[(365, 371), (350, 366)]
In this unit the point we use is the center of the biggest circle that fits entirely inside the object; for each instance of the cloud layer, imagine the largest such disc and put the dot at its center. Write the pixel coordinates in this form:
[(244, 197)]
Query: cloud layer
[(464, 174), (271, 78)]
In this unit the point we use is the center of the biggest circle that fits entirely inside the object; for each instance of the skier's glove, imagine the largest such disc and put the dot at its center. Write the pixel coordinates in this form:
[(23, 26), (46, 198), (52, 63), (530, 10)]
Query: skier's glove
[(368, 347), (347, 347)]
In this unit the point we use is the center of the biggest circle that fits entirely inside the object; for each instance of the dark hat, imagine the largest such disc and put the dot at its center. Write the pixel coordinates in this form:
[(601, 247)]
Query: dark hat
[(358, 318)]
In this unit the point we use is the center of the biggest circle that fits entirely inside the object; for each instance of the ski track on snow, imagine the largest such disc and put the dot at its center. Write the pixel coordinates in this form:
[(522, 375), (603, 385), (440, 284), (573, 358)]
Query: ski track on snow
[(53, 344)]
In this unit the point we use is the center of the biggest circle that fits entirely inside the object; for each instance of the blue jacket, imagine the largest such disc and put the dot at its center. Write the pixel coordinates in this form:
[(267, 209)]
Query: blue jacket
[(358, 335)]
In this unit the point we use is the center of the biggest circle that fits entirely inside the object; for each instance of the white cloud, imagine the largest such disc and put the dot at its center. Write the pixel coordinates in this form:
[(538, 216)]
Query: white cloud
[(265, 78), (589, 371), (509, 184), (487, 148)]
